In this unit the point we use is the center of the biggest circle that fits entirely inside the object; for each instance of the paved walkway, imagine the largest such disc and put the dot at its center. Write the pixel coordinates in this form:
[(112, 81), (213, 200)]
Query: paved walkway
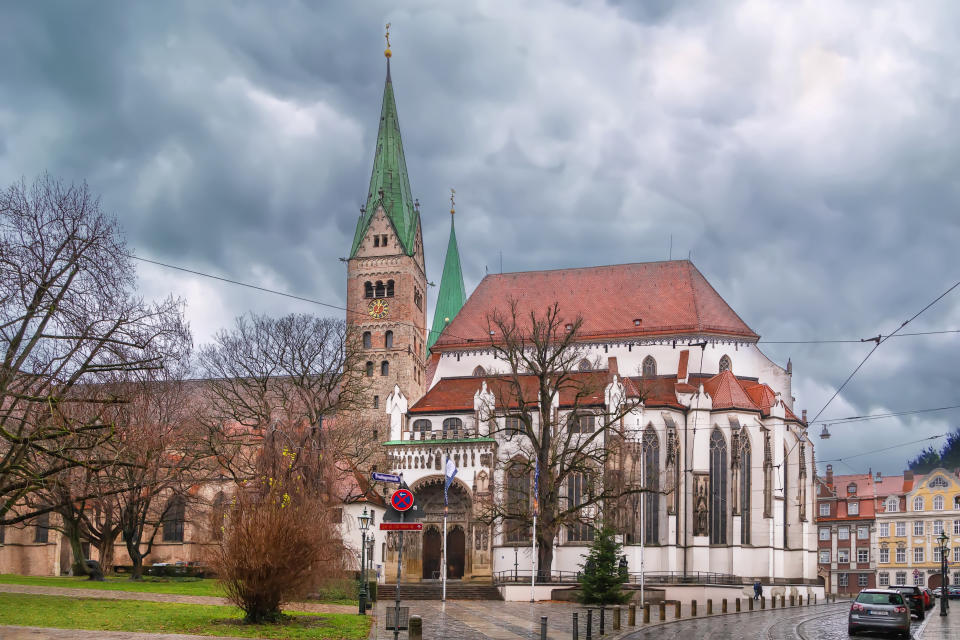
[(43, 633), (305, 607), (937, 627)]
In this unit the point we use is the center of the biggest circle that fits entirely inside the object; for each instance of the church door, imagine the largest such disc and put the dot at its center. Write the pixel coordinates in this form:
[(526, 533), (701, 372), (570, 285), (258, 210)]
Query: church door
[(431, 554), (455, 553)]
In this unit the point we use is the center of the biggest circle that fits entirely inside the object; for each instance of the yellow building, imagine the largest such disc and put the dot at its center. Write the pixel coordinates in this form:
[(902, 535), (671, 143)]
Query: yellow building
[(909, 524)]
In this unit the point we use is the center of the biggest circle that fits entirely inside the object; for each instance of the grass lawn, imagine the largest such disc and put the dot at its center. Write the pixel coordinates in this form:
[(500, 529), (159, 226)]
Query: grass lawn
[(149, 584), (161, 617)]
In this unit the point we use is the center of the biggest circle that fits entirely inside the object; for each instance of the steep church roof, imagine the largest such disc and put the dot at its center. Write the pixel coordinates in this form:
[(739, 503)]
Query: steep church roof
[(618, 301), (452, 293), (389, 183)]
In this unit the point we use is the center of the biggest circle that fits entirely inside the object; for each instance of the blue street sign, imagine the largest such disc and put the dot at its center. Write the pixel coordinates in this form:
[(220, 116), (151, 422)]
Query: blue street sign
[(385, 477)]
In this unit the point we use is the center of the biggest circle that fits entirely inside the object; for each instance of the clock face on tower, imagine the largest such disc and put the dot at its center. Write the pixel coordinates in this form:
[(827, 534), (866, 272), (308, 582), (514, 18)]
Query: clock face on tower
[(378, 309)]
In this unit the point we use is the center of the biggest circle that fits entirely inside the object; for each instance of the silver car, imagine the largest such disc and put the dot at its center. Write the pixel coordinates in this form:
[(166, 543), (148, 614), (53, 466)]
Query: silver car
[(879, 610)]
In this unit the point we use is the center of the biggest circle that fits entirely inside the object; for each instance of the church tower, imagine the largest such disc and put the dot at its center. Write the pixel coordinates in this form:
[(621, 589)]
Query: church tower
[(386, 275), (452, 294)]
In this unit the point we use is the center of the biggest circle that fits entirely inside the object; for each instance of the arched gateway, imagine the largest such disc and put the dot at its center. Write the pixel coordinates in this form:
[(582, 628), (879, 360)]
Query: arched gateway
[(468, 540)]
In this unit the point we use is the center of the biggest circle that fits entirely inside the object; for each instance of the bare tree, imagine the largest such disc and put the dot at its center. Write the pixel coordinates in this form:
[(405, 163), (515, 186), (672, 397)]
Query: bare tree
[(69, 322), (287, 379), (557, 415)]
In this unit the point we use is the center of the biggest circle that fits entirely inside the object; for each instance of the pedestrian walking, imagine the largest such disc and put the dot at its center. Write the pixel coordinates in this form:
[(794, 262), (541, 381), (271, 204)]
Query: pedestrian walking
[(757, 590)]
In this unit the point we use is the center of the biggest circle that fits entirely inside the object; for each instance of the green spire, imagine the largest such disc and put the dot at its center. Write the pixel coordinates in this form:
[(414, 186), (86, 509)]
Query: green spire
[(389, 184), (452, 295)]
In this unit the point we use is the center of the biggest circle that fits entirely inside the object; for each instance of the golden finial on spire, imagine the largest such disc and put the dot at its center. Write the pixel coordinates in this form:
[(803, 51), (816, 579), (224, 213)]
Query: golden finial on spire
[(453, 209), (387, 52)]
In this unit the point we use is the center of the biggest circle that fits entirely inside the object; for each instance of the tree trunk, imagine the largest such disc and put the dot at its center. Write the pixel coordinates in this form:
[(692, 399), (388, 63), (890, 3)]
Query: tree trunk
[(545, 537), (72, 532), (136, 558), (105, 548)]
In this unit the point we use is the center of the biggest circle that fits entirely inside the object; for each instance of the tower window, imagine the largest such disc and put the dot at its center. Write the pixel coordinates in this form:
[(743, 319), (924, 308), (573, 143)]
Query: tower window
[(383, 240), (418, 298), (369, 369), (367, 340), (376, 241), (376, 402), (367, 289), (389, 288), (384, 368), (388, 338), (381, 291), (725, 364)]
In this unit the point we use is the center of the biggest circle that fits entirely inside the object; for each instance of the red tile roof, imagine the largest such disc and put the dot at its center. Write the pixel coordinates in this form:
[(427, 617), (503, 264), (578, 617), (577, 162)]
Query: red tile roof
[(668, 298), (726, 392)]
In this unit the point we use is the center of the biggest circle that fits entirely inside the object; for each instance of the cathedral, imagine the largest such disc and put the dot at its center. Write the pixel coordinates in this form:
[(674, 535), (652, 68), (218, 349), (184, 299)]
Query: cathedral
[(713, 418)]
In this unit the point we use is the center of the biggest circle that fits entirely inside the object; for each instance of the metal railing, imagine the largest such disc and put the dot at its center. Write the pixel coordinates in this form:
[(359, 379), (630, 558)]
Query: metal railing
[(520, 576)]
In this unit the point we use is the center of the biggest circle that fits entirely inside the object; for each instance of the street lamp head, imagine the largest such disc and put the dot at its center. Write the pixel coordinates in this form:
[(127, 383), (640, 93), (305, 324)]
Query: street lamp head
[(942, 539), (364, 520)]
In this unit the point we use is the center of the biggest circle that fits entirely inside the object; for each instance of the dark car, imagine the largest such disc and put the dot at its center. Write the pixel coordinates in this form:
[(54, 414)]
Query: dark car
[(953, 593), (879, 610), (928, 599), (914, 598)]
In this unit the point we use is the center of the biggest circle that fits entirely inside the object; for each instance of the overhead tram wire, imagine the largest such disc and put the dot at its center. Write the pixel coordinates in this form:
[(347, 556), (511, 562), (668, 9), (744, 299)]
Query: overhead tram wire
[(879, 416), (881, 450), (861, 340)]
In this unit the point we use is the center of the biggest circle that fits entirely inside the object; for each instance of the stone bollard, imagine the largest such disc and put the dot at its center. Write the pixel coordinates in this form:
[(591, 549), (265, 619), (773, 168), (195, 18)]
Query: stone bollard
[(646, 613), (773, 602), (763, 602), (709, 606), (737, 606), (632, 615), (723, 606), (576, 626), (603, 620), (677, 613), (800, 600), (589, 624), (415, 628), (693, 608), (783, 601), (750, 604), (616, 618), (543, 627), (663, 611)]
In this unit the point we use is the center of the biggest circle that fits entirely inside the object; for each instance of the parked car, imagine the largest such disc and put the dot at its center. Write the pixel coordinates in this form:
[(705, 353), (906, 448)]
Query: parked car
[(928, 599), (914, 598), (953, 593), (880, 610)]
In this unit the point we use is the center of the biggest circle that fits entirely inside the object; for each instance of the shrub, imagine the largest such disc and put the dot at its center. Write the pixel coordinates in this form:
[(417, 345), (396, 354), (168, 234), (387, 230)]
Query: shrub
[(601, 580)]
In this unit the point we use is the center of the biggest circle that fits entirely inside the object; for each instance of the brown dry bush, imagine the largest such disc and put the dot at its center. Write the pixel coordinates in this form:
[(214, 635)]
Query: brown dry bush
[(279, 544)]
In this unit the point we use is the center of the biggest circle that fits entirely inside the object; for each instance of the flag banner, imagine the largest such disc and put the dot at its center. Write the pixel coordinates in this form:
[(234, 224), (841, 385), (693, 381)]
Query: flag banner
[(450, 472), (536, 489)]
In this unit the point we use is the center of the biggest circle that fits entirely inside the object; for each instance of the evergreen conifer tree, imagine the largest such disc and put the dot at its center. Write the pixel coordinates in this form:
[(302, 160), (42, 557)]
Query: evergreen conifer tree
[(601, 580)]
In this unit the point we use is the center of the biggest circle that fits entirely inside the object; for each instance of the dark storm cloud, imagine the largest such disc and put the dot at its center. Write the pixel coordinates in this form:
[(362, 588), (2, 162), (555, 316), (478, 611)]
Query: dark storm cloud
[(805, 157)]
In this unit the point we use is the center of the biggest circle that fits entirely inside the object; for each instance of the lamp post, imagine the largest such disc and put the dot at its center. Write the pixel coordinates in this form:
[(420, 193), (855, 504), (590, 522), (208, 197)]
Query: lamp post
[(942, 539), (364, 520)]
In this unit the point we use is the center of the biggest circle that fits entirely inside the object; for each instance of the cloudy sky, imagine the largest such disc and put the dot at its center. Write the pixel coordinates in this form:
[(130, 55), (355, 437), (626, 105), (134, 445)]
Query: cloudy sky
[(805, 155)]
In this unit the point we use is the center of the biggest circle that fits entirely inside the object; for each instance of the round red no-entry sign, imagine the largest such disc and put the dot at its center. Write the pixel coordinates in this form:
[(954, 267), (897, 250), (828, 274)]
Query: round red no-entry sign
[(401, 499)]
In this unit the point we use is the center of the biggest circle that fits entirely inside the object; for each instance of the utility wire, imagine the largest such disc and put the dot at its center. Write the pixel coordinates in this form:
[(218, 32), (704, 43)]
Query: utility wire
[(877, 416), (895, 446), (861, 340)]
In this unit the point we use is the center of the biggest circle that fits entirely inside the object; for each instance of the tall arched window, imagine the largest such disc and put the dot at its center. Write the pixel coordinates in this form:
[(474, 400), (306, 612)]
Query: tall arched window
[(41, 530), (422, 426), (381, 291), (479, 372), (649, 367), (581, 422), (452, 426), (173, 518), (786, 497), (517, 499), (384, 368), (577, 494), (746, 471), (651, 483), (725, 364), (369, 369), (918, 503), (718, 488), (388, 339), (367, 340), (217, 514), (389, 288), (584, 365), (367, 289)]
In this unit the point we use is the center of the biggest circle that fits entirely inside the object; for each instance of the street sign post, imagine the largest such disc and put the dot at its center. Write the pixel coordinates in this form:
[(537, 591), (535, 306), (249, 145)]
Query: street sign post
[(401, 526), (386, 477)]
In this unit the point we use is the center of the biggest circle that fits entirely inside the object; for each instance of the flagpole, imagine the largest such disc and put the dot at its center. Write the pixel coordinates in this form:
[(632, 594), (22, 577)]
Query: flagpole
[(443, 570), (533, 557), (643, 480)]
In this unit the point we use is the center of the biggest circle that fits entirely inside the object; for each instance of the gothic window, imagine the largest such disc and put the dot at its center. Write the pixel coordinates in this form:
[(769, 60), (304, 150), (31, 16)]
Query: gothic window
[(577, 494), (388, 339), (389, 288), (381, 291), (41, 530), (452, 427), (651, 482), (718, 488), (581, 422), (367, 289), (584, 365), (512, 426), (746, 472), (649, 367), (384, 368), (173, 518), (725, 364), (367, 340), (785, 470), (369, 369), (217, 514), (421, 426), (479, 372), (517, 478)]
